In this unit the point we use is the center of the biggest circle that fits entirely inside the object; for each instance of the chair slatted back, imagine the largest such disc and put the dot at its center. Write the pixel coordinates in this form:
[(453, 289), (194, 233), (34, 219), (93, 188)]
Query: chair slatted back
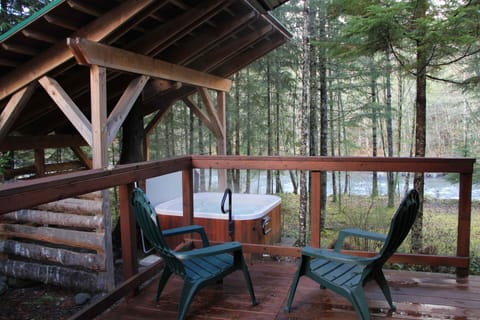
[(147, 219), (400, 226)]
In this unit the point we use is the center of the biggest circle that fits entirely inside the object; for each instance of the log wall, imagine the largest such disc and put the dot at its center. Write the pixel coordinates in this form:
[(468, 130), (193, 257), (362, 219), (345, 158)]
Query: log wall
[(60, 243)]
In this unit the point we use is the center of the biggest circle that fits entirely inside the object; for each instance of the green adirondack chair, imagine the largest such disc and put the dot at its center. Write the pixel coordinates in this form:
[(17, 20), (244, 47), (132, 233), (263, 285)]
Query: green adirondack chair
[(198, 267), (347, 274)]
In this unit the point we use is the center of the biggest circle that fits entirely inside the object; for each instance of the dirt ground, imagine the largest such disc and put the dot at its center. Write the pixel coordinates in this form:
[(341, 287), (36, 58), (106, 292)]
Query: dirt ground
[(39, 302)]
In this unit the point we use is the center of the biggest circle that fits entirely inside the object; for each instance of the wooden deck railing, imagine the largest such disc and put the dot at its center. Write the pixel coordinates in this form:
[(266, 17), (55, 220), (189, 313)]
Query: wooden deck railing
[(318, 164), (25, 194)]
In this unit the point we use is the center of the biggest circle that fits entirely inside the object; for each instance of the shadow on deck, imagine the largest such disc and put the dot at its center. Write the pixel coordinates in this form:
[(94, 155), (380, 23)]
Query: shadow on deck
[(418, 295)]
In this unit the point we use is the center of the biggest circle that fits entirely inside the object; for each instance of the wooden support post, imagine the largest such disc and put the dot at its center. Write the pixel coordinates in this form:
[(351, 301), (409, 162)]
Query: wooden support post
[(98, 87), (39, 162), (187, 191), (128, 232), (315, 209), (222, 141), (98, 91), (464, 220)]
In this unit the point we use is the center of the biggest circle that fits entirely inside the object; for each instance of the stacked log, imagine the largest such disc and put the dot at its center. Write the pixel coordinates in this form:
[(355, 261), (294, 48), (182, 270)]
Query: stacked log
[(60, 243)]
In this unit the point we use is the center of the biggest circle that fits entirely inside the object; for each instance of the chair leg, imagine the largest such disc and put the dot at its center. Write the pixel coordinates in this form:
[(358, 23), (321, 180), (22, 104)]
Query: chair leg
[(188, 291), (248, 280), (382, 283), (291, 294), (359, 302), (163, 281), (293, 288)]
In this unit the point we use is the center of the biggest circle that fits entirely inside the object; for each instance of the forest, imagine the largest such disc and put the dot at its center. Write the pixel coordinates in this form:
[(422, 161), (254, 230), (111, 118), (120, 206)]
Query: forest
[(350, 84), (358, 78), (368, 78)]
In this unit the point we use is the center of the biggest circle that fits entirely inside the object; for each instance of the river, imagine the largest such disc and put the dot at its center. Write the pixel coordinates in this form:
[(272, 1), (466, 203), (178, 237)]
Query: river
[(436, 185)]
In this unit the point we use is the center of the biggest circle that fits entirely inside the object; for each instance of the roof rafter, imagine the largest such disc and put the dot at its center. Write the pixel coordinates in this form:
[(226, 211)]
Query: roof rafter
[(59, 53), (168, 33)]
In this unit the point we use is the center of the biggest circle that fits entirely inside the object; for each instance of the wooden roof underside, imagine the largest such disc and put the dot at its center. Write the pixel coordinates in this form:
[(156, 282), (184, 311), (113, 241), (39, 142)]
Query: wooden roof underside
[(214, 37)]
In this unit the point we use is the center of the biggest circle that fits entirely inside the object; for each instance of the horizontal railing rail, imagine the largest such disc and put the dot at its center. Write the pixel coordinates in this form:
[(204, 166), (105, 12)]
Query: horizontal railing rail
[(25, 194)]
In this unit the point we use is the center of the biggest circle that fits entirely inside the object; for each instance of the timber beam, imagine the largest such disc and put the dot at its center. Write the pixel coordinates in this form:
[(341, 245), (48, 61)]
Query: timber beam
[(68, 107), (13, 109), (92, 53)]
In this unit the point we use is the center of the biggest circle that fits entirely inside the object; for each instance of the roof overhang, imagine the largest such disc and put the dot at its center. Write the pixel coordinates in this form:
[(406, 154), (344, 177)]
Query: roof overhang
[(205, 42)]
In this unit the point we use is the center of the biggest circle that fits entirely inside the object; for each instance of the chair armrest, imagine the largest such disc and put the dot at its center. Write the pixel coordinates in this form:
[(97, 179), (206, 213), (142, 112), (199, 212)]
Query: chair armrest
[(334, 256), (357, 233), (209, 251), (188, 229)]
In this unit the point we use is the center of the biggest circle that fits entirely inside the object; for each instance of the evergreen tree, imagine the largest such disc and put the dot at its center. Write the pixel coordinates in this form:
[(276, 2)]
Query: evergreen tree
[(423, 36), (14, 11)]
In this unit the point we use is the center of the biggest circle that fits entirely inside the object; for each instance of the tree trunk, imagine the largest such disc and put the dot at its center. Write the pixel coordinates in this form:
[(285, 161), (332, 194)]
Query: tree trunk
[(420, 132), (302, 217), (400, 118), (269, 125), (170, 134), (133, 137), (186, 130), (332, 145), (323, 111), (133, 150), (340, 129), (236, 172), (278, 183), (249, 134), (191, 132), (314, 96), (390, 179), (373, 92), (201, 150), (314, 92)]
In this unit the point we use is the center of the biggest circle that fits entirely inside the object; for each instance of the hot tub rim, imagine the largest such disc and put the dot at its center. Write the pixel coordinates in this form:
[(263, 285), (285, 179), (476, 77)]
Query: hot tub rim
[(218, 215)]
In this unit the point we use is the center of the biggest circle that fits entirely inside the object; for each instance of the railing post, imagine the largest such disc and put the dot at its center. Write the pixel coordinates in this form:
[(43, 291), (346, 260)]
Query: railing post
[(464, 220), (128, 232), (187, 191), (315, 209)]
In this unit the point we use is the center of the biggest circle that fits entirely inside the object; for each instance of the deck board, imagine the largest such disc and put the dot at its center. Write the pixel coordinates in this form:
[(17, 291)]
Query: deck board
[(418, 295)]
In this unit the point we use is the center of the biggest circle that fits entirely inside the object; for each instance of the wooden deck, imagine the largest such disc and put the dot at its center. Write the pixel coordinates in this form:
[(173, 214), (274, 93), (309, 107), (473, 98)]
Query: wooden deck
[(418, 295)]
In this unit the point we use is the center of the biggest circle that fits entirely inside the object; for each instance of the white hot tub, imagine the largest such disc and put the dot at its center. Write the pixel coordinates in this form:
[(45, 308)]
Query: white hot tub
[(257, 217)]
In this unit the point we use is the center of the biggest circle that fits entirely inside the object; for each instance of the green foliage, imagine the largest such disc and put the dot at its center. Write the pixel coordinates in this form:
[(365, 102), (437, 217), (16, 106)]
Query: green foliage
[(370, 27), (374, 215), (290, 207), (475, 263), (4, 160), (14, 11)]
